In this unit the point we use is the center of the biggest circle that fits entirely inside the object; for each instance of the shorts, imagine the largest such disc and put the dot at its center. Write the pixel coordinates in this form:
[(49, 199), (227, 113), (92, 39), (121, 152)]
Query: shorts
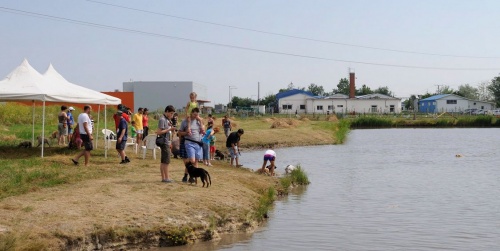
[(182, 150), (227, 131), (87, 143), (193, 150), (121, 145), (70, 130), (269, 157), (232, 153), (165, 154), (139, 131), (212, 149), (62, 130)]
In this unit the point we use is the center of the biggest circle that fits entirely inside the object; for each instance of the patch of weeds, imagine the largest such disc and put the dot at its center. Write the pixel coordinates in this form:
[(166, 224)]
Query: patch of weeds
[(27, 210), (265, 203), (299, 176), (179, 236), (8, 242)]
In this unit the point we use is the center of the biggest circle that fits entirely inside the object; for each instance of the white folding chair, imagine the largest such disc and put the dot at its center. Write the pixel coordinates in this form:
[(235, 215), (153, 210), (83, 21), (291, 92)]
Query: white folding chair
[(150, 145)]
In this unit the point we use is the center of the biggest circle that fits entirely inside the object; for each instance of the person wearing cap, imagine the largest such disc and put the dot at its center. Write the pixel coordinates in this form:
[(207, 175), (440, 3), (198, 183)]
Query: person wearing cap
[(233, 145), (125, 115), (71, 122), (138, 125), (121, 140)]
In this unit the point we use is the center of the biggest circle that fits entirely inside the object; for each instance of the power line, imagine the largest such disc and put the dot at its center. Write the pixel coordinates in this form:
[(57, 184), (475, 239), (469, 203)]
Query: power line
[(102, 26), (292, 36)]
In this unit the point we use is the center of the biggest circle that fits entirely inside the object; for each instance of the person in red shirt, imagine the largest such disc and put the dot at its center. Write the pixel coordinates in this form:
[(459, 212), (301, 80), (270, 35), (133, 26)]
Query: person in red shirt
[(145, 120), (125, 116)]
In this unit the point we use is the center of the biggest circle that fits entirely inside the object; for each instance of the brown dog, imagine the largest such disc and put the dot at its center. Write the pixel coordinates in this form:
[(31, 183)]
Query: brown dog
[(55, 135), (195, 172), (45, 141)]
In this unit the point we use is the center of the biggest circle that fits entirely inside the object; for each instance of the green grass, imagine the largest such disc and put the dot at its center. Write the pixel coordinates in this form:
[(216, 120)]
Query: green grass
[(265, 204), (343, 128), (299, 176)]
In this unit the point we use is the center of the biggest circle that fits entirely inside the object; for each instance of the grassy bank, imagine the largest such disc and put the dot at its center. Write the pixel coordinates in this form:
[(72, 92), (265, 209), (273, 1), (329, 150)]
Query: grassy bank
[(49, 203), (423, 121)]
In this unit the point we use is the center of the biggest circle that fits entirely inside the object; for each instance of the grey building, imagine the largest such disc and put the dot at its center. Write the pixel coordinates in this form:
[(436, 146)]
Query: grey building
[(155, 95)]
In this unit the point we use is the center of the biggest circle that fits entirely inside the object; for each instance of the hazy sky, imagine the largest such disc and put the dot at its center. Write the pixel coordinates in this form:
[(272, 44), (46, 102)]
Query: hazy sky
[(144, 47)]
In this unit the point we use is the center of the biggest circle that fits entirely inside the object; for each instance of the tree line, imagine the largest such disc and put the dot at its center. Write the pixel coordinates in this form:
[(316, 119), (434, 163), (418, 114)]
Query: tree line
[(484, 91)]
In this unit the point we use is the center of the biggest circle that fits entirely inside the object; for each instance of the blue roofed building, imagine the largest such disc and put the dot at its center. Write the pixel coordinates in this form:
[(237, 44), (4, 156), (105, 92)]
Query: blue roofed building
[(451, 103)]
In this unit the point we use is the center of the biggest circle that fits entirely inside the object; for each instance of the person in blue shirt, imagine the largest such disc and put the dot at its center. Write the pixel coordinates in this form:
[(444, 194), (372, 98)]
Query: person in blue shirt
[(70, 122)]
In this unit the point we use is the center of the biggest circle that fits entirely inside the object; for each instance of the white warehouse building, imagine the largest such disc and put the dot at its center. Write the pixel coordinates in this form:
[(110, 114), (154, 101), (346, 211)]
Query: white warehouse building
[(298, 101), (156, 95)]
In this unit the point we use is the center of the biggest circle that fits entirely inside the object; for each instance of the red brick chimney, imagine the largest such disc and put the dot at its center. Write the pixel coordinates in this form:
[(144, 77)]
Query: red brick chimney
[(352, 85)]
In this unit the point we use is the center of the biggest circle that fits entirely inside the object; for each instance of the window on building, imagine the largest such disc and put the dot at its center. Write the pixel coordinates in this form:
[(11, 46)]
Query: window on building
[(302, 107), (451, 102), (434, 103), (287, 107), (374, 108), (392, 108), (319, 108), (423, 103), (330, 107), (340, 106)]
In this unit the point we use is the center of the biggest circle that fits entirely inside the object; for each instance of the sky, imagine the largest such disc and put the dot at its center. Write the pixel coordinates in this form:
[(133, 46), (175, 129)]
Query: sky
[(409, 46)]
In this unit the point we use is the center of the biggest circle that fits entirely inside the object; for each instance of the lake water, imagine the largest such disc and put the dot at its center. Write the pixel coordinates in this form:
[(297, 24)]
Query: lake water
[(385, 189)]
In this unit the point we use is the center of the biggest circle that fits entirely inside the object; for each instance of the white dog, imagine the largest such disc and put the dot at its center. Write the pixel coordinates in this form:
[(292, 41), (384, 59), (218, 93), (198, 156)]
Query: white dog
[(289, 169)]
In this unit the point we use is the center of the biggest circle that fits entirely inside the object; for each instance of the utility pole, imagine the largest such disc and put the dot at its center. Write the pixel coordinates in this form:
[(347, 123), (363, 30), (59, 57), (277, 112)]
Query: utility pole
[(439, 92)]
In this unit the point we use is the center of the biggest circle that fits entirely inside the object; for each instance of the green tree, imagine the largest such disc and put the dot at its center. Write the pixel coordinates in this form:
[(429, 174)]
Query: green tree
[(317, 90), (408, 104), (343, 86), (468, 91), (483, 91), (445, 89), (494, 88), (364, 90), (268, 100), (384, 90)]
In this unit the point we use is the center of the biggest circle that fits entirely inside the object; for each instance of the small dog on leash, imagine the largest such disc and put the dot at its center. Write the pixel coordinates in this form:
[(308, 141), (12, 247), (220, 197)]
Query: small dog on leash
[(45, 141), (195, 172), (25, 144), (219, 155)]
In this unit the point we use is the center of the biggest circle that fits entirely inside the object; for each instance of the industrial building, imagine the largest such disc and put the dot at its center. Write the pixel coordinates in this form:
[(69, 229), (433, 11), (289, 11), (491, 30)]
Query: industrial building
[(156, 95)]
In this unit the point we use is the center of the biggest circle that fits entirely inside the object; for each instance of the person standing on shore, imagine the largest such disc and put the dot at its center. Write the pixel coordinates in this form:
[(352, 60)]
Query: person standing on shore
[(164, 130), (192, 136), (62, 127), (71, 122), (145, 123), (233, 146), (85, 127), (226, 124), (138, 125), (121, 140)]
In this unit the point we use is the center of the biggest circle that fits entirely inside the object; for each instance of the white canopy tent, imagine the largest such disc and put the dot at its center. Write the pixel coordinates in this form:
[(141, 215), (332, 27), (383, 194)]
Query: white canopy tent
[(25, 83)]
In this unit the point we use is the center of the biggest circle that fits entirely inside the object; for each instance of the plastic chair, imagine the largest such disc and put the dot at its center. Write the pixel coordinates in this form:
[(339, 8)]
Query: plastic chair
[(107, 137), (150, 145)]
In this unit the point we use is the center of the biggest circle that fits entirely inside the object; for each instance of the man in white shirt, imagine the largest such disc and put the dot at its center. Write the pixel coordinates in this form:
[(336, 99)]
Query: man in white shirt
[(85, 127)]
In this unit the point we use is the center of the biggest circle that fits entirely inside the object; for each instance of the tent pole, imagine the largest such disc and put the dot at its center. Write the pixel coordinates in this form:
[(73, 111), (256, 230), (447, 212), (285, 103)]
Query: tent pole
[(105, 126), (97, 127), (43, 127), (33, 130)]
